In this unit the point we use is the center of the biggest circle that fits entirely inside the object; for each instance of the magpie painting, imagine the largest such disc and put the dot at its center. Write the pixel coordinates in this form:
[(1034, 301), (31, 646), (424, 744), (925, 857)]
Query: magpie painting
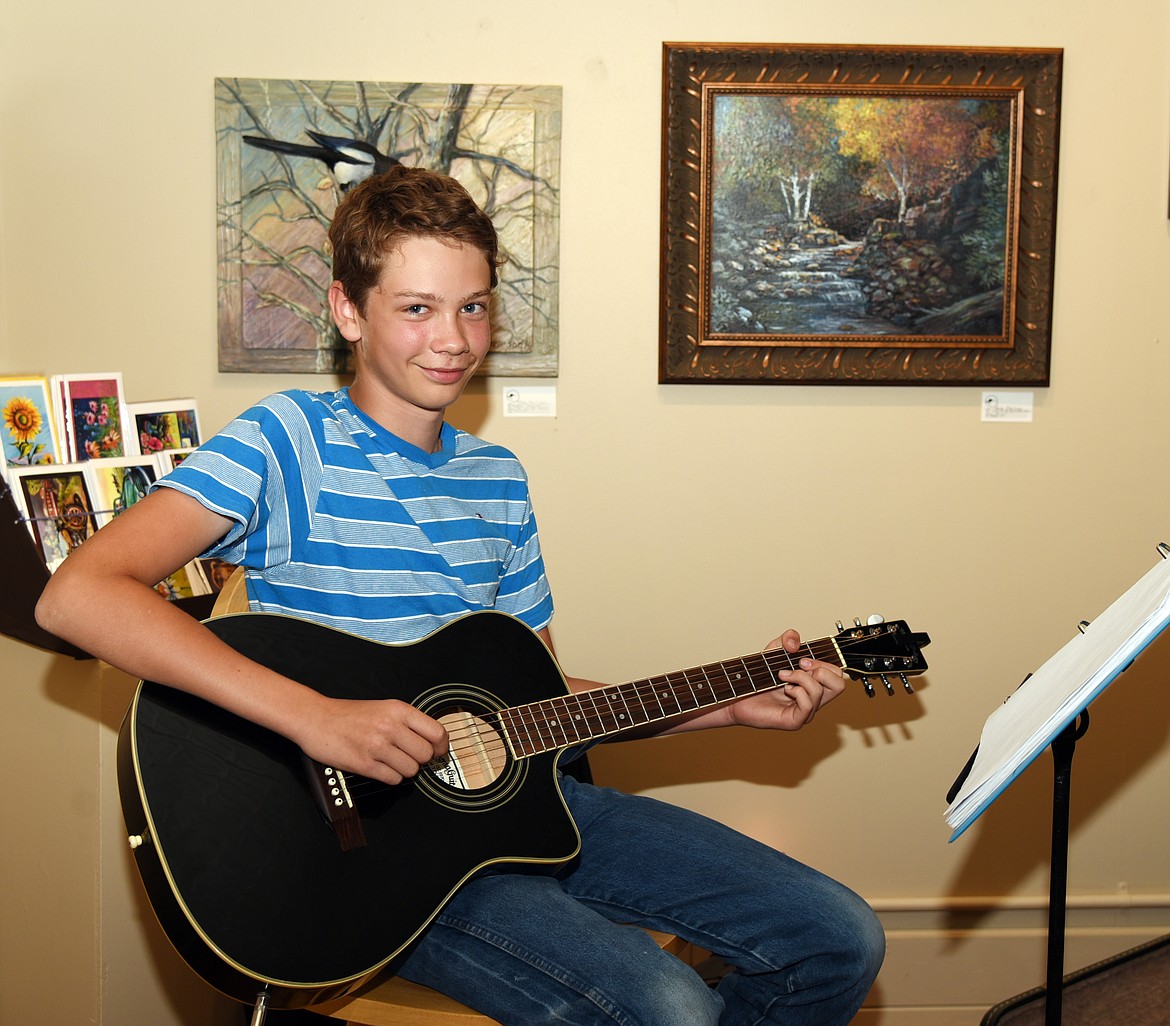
[(349, 160)]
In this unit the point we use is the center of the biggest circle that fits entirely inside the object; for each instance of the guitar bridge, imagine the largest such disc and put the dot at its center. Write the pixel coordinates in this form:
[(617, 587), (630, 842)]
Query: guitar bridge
[(331, 792)]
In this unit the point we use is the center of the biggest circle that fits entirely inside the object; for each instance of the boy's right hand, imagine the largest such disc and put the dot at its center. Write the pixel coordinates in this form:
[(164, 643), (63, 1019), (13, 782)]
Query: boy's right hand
[(385, 740)]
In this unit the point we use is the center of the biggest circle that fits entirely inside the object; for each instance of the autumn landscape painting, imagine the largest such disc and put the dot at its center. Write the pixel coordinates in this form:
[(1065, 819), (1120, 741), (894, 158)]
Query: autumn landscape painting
[(855, 214), (852, 215)]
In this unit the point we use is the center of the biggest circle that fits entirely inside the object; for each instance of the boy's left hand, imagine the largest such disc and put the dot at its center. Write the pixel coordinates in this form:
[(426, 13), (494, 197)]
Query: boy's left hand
[(792, 706)]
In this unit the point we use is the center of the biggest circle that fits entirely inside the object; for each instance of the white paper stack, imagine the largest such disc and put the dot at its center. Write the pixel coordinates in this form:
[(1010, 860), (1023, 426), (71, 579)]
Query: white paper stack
[(1059, 691)]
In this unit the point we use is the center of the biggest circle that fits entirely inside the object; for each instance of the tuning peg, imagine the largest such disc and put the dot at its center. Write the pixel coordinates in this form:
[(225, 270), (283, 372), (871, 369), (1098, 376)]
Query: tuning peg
[(874, 619), (906, 684), (886, 684), (865, 683)]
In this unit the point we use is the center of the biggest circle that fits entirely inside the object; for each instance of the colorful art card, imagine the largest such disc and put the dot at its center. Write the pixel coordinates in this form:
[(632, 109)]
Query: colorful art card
[(58, 507), (159, 426), (116, 483), (96, 420), (168, 459), (29, 434), (216, 572), (186, 582)]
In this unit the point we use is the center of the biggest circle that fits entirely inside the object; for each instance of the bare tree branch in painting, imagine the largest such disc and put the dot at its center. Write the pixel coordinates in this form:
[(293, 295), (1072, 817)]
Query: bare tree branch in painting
[(280, 220)]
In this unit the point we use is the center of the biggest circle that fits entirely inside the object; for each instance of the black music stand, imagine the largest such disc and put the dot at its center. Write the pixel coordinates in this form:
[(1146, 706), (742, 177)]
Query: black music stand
[(1050, 710)]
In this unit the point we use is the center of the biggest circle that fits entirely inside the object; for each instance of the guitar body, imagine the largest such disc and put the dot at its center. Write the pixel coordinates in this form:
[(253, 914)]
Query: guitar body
[(244, 872)]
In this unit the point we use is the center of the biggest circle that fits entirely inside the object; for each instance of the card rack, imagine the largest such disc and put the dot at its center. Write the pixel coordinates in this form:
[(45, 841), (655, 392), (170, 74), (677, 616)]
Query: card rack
[(25, 577)]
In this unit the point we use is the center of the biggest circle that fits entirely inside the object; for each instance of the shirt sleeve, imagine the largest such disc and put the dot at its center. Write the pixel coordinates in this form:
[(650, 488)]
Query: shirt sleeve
[(524, 589), (238, 474)]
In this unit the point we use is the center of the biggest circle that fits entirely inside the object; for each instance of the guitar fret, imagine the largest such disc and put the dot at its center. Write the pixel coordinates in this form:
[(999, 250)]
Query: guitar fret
[(699, 688), (580, 719), (550, 723), (680, 696), (593, 716), (621, 717), (545, 725), (705, 689), (770, 681), (653, 689), (516, 733)]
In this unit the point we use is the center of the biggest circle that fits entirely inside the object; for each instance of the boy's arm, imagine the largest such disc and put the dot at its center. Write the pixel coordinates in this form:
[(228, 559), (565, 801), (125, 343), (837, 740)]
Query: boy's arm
[(102, 599)]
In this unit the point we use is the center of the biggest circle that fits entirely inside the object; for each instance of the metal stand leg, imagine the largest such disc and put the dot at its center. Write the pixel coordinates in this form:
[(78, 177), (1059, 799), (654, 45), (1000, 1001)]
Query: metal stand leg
[(260, 1009), (1062, 753)]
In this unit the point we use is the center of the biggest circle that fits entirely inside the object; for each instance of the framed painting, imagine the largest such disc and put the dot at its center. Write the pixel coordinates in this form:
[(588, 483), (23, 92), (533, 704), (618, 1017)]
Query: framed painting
[(857, 215), (287, 151)]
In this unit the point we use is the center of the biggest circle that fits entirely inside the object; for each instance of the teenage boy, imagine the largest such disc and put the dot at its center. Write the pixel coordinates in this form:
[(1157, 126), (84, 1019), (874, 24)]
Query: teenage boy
[(364, 510)]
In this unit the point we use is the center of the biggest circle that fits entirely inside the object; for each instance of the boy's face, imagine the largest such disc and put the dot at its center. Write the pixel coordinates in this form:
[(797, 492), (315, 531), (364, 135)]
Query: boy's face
[(424, 331)]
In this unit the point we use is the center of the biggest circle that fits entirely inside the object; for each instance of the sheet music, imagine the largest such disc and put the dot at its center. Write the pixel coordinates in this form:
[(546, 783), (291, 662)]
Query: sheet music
[(1059, 691)]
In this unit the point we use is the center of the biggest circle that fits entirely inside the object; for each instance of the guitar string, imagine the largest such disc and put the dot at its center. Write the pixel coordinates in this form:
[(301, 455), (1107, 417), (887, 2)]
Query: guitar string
[(529, 719)]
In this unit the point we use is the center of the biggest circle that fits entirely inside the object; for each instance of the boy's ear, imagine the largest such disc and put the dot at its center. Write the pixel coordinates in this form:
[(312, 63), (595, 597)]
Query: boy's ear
[(345, 313)]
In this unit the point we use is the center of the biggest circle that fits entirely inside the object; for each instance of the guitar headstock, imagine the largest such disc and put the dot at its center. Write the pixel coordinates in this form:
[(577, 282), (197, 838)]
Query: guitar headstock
[(882, 650)]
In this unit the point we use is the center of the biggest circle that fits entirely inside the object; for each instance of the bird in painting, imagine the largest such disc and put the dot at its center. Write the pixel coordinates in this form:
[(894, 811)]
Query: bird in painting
[(349, 160)]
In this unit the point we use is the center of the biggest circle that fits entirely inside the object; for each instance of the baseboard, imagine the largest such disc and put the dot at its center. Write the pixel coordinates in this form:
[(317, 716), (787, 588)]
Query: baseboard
[(947, 968), (926, 1016)]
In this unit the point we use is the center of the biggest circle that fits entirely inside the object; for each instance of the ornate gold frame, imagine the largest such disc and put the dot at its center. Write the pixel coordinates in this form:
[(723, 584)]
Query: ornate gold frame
[(1026, 86)]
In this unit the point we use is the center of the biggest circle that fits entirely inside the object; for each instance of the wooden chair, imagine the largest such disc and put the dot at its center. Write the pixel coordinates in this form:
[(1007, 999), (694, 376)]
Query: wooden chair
[(233, 596), (398, 1002)]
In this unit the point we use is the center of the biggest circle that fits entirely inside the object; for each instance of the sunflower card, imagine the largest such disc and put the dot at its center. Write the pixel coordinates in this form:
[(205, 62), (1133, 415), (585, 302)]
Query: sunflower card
[(27, 425)]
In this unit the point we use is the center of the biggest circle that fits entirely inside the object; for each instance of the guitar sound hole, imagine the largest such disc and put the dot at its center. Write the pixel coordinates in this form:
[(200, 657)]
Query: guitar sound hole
[(477, 755)]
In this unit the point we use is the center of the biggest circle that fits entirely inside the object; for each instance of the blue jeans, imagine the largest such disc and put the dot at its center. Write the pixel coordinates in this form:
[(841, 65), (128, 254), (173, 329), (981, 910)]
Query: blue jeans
[(530, 949)]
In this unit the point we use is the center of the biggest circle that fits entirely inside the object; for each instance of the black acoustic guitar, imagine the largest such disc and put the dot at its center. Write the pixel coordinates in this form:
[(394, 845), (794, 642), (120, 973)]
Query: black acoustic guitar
[(276, 876)]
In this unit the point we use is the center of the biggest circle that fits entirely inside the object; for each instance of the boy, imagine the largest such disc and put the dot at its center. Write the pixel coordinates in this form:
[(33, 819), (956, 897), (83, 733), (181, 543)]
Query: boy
[(364, 510)]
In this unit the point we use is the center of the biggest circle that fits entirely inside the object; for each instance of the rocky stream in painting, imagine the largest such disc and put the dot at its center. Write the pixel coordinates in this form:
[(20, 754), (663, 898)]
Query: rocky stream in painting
[(914, 277)]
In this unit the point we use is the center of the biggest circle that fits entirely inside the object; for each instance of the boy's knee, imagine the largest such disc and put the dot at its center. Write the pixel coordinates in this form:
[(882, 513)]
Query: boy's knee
[(858, 945), (673, 998)]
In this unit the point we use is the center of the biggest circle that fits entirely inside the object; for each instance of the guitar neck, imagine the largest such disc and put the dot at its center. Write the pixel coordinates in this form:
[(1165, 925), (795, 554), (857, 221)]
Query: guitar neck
[(566, 720)]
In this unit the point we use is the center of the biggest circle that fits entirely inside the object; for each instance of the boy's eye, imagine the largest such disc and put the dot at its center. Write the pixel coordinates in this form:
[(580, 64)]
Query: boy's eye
[(415, 308), (475, 308)]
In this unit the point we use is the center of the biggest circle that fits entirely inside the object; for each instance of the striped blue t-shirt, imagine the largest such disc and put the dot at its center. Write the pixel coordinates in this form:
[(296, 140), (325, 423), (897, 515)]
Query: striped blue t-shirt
[(339, 521)]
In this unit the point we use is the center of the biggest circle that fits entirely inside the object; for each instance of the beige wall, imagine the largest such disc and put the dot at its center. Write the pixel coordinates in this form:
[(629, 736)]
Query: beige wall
[(680, 524)]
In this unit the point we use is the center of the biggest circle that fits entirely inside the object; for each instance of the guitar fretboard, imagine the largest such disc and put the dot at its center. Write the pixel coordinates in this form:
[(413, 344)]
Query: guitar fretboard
[(556, 723)]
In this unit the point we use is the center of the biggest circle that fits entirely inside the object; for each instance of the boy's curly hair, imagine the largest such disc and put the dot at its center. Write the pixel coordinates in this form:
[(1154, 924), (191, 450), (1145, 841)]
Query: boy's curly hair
[(375, 217)]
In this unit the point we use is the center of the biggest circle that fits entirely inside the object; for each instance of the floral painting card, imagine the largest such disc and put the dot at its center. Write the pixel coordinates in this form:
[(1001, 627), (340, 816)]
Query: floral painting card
[(172, 424), (116, 483), (29, 432), (97, 422), (57, 504)]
